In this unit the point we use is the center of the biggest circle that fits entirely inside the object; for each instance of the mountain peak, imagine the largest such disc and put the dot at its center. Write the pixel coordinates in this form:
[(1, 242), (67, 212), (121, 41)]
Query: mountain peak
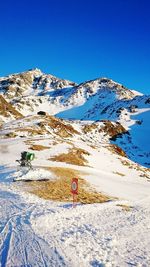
[(102, 81), (105, 85), (35, 71), (31, 82)]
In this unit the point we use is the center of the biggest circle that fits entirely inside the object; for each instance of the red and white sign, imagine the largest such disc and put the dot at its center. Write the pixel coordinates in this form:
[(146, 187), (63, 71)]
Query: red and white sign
[(74, 186)]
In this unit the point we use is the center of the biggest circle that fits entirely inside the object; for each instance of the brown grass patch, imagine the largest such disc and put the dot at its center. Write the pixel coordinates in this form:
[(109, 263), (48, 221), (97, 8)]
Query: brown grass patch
[(31, 131), (61, 127), (89, 128), (74, 156), (125, 163), (144, 171), (117, 150), (31, 141), (94, 147), (119, 173), (112, 129), (10, 135), (38, 147), (54, 143), (124, 207), (6, 109), (59, 189)]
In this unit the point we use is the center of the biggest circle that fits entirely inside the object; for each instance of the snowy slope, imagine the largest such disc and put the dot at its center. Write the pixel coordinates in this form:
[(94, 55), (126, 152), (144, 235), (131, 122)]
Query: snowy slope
[(134, 115), (35, 232), (100, 99), (91, 97), (21, 88), (93, 122), (55, 95)]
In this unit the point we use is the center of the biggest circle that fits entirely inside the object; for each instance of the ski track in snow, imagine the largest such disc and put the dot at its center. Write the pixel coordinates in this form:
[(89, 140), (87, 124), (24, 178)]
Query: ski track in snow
[(88, 238), (34, 232), (19, 245)]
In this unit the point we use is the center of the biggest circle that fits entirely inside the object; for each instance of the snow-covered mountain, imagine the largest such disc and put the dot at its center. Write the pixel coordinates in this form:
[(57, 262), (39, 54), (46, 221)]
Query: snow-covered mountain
[(31, 82), (97, 131), (32, 91)]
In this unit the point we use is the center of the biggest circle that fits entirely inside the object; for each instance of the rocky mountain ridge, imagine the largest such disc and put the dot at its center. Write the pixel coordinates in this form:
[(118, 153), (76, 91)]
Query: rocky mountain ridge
[(103, 110), (20, 90), (20, 84)]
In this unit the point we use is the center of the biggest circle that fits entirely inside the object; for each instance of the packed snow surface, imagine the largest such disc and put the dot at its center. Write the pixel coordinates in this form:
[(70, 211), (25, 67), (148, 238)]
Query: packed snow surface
[(32, 175), (36, 232)]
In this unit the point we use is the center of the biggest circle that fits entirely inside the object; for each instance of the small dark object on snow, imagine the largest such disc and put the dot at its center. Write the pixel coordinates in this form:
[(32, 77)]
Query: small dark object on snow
[(26, 158), (43, 113)]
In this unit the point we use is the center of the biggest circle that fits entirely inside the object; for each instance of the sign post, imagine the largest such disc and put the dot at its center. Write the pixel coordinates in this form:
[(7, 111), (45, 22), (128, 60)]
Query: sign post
[(74, 190)]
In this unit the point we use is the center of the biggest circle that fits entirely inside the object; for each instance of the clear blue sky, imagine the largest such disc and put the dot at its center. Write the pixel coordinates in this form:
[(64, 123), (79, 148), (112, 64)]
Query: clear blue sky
[(78, 39)]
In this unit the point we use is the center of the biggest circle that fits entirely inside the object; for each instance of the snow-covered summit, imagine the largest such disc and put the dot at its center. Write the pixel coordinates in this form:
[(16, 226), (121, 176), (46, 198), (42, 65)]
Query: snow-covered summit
[(32, 90), (31, 82), (99, 84)]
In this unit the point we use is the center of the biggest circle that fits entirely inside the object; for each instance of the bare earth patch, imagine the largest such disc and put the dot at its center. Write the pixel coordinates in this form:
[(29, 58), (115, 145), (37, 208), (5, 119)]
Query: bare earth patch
[(74, 156), (59, 189), (38, 147)]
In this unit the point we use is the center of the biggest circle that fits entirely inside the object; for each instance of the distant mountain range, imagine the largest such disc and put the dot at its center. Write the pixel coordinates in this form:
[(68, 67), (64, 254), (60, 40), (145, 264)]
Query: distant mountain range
[(103, 109)]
